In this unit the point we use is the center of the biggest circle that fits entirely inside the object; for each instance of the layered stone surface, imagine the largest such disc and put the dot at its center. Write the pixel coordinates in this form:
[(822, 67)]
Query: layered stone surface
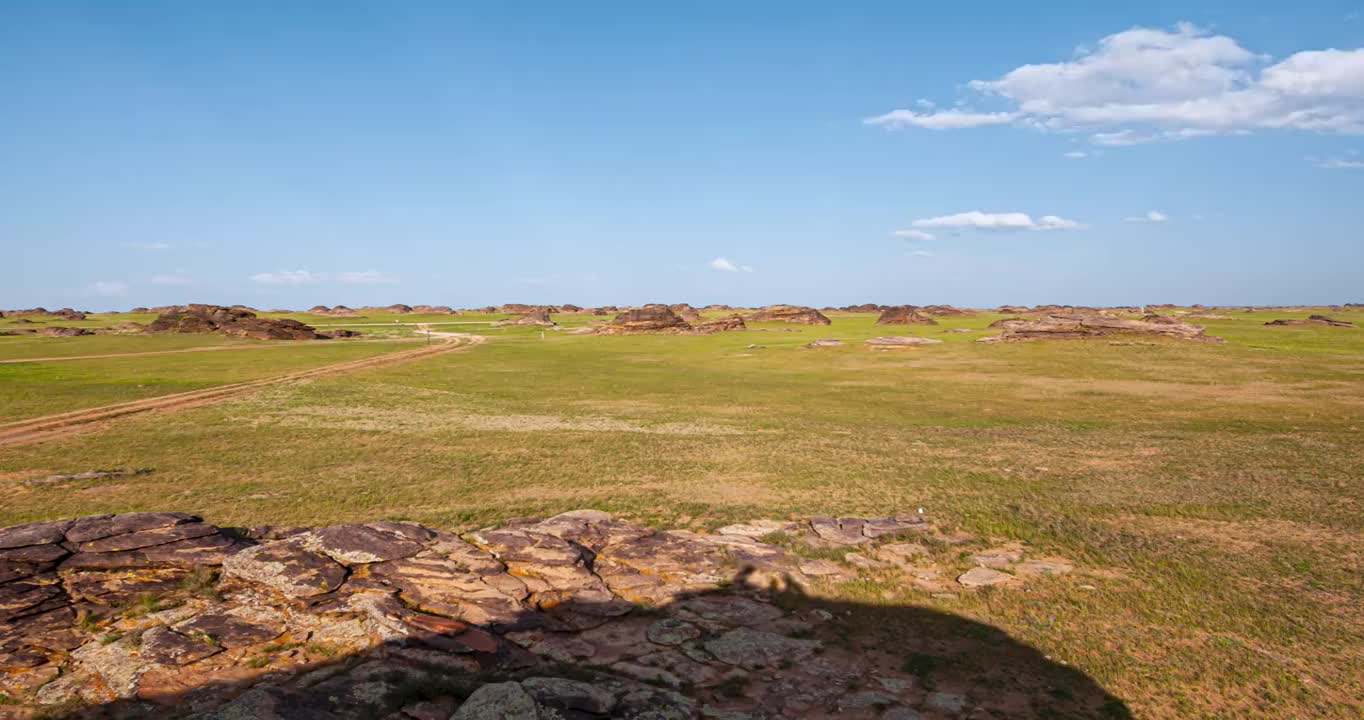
[(573, 616)]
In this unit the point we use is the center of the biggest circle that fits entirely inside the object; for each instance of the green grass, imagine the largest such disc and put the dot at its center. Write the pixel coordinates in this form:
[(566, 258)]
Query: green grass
[(1211, 494), (32, 389)]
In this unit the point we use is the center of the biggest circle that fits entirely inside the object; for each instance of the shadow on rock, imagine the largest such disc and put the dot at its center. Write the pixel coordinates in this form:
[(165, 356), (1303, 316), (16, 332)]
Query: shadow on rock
[(575, 616)]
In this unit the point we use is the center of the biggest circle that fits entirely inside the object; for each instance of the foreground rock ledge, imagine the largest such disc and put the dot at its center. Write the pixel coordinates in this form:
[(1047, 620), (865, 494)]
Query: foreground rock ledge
[(578, 615)]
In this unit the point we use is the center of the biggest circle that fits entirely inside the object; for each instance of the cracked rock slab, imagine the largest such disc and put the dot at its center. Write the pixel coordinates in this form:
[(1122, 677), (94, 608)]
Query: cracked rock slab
[(287, 566), (359, 544), (756, 650)]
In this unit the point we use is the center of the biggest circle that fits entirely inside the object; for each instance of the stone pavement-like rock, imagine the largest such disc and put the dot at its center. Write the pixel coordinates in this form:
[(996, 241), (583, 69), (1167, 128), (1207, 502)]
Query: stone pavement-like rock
[(574, 616)]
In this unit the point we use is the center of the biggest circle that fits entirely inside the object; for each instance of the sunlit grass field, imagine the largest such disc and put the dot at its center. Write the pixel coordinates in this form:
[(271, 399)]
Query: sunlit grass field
[(1212, 495)]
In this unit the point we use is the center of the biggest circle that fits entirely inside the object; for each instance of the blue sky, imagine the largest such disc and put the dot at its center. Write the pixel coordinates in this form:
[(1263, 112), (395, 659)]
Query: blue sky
[(289, 154)]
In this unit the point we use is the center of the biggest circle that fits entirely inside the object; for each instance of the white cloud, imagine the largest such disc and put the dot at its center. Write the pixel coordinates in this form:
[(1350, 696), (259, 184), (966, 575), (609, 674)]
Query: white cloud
[(308, 277), (1151, 216), (147, 245), (366, 277), (288, 277), (1077, 154), (941, 120), (107, 288), (725, 265), (1336, 163), (172, 279), (978, 220), (913, 234), (1148, 85)]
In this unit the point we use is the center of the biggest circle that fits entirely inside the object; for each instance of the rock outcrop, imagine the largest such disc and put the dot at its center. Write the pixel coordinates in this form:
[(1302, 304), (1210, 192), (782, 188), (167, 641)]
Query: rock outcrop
[(64, 313), (532, 317), (788, 313), (1312, 320), (1083, 326), (904, 315), (234, 322), (56, 331), (946, 311), (163, 615), (901, 341), (650, 318), (724, 324)]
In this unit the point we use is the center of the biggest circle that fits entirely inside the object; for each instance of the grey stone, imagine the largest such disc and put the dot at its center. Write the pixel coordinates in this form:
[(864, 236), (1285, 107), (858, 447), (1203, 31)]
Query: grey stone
[(569, 694), (498, 701), (755, 649), (945, 702), (671, 631)]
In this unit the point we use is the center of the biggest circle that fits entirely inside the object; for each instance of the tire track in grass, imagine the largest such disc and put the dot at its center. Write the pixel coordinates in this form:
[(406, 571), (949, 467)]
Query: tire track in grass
[(23, 432)]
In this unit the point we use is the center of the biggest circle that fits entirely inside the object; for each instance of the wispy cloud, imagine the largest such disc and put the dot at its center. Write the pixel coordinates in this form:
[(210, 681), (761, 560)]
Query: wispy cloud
[(308, 277), (913, 234), (941, 120), (725, 265), (172, 279), (366, 277), (977, 220), (1151, 216), (288, 277), (1150, 84), (1077, 154), (147, 245), (920, 253), (1338, 163), (107, 288)]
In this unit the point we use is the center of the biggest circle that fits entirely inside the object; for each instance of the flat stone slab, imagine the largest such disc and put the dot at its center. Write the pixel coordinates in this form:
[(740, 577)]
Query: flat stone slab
[(102, 526), (228, 630), (287, 566), (656, 623), (983, 577), (147, 538), (37, 533), (359, 544), (164, 646), (755, 649)]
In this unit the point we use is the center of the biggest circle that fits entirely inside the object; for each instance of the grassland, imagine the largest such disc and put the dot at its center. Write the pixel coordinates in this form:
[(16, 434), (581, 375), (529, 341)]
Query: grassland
[(1212, 494)]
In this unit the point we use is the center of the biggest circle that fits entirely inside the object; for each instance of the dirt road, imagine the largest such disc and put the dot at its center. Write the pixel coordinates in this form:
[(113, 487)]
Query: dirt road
[(21, 432)]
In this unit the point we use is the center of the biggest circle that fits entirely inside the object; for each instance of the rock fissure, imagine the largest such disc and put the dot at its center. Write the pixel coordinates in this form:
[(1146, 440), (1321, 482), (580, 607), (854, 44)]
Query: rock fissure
[(165, 614)]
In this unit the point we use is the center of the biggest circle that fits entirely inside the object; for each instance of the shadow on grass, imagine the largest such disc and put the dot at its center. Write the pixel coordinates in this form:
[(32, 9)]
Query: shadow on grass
[(787, 655)]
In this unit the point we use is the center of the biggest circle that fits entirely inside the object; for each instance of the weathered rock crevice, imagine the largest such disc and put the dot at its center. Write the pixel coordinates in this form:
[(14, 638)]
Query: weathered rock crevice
[(164, 614)]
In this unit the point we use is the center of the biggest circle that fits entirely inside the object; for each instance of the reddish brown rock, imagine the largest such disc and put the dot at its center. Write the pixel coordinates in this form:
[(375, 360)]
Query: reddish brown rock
[(788, 313), (946, 310), (1084, 326), (287, 566), (724, 324), (530, 317), (1312, 320), (904, 315), (650, 318), (55, 331), (235, 322)]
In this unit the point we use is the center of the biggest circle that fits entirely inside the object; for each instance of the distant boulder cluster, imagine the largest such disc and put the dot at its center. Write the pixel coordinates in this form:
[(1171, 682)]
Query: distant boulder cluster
[(1025, 323)]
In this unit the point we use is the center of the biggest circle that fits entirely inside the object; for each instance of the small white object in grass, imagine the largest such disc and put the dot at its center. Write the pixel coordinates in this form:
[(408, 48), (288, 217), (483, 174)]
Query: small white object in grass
[(921, 511)]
